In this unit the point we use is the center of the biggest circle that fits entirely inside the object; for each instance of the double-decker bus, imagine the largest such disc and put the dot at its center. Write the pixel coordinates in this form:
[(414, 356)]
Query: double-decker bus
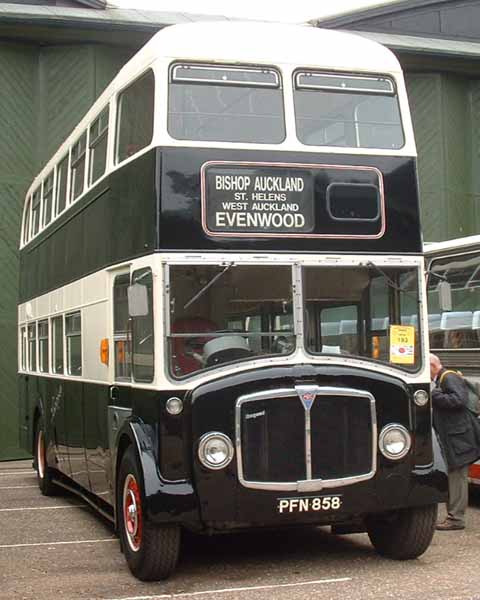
[(222, 318), (455, 333)]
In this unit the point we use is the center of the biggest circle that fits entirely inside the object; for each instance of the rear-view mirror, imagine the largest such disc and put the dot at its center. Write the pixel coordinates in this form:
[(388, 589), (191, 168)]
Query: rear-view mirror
[(444, 296), (137, 300)]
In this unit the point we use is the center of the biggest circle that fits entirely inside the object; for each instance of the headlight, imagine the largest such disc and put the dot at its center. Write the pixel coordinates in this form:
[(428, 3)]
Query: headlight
[(215, 450), (394, 441), (420, 397)]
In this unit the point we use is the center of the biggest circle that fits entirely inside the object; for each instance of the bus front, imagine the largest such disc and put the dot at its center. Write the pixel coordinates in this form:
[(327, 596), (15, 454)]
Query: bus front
[(294, 346)]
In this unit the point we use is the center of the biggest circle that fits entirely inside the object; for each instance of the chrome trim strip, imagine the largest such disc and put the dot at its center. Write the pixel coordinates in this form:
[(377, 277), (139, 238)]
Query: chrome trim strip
[(309, 484)]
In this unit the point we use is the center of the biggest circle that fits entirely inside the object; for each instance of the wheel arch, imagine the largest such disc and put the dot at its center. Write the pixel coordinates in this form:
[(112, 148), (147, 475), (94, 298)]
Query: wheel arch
[(165, 501)]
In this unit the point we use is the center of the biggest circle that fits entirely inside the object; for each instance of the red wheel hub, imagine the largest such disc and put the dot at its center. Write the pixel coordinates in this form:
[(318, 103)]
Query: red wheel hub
[(132, 512)]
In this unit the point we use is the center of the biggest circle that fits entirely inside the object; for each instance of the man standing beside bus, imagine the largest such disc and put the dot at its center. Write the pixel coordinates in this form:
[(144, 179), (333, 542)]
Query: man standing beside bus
[(459, 438)]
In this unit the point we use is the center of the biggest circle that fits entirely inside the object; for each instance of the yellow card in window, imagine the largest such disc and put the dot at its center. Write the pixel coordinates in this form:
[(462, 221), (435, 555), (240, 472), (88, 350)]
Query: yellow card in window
[(402, 344)]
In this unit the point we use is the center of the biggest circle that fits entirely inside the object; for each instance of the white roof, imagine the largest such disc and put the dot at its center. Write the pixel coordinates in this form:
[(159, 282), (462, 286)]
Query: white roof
[(463, 243), (272, 43), (245, 42)]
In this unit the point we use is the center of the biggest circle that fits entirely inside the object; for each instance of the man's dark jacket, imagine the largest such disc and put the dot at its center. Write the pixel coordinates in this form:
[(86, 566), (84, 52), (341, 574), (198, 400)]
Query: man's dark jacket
[(457, 428)]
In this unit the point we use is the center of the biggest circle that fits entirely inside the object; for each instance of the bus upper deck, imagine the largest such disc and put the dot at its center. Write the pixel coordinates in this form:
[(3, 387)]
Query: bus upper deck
[(183, 137)]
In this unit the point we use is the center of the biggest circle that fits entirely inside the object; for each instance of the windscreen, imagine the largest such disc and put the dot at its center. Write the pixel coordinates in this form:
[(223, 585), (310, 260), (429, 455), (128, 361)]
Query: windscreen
[(458, 328), (369, 312), (225, 313), (225, 104), (349, 111)]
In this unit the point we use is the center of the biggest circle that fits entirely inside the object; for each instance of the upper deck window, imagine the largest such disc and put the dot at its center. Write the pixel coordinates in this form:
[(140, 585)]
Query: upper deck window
[(61, 188), (36, 210), (26, 222), (47, 199), (79, 152), (349, 111), (135, 117), (98, 146), (225, 104)]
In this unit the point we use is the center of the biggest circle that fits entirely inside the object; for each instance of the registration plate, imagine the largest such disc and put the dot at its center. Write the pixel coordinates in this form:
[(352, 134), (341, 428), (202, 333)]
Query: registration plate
[(309, 504)]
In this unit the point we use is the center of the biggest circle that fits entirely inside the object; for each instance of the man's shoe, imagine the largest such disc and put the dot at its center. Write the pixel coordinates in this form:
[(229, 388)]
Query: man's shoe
[(449, 526)]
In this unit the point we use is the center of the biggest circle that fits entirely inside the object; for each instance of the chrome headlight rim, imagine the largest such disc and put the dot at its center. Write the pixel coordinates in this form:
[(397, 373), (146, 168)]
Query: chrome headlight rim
[(421, 397), (174, 406), (381, 441), (206, 439)]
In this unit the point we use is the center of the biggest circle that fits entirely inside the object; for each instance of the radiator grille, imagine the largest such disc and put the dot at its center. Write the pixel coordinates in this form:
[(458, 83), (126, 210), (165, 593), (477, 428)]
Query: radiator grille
[(305, 438)]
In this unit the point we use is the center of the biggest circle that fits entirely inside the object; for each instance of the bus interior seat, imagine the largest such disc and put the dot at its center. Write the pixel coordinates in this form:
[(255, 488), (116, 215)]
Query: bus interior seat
[(476, 319), (456, 320), (458, 329)]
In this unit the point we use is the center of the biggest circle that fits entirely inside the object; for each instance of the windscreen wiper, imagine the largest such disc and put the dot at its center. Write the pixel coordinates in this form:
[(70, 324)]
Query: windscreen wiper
[(389, 281), (207, 285)]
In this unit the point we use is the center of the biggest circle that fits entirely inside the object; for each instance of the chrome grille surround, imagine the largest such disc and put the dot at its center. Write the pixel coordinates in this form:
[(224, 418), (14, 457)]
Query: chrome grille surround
[(302, 392)]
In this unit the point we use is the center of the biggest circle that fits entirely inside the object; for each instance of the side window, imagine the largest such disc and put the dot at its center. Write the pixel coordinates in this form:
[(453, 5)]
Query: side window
[(36, 210), (98, 146), (32, 347), (23, 348), (26, 222), (123, 359), (43, 346), (77, 167), (73, 334), (47, 199), (57, 346), (135, 117), (62, 176), (142, 331)]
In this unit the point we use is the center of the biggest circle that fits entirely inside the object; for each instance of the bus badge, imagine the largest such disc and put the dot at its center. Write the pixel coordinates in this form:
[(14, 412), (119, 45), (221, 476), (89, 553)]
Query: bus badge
[(307, 399)]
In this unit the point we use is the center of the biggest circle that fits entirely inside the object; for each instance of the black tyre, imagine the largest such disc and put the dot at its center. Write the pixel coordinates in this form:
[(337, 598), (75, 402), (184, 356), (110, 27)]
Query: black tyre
[(151, 550), (44, 472), (403, 534)]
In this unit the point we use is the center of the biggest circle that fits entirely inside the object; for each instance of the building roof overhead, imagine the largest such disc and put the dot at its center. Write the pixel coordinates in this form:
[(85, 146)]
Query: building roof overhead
[(442, 19)]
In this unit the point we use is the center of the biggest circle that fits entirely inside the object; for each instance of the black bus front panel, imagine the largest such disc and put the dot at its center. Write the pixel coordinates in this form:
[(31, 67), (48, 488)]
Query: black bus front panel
[(273, 479)]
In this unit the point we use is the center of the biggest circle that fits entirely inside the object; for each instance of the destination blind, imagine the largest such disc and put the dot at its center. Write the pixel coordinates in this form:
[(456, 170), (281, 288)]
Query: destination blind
[(263, 200)]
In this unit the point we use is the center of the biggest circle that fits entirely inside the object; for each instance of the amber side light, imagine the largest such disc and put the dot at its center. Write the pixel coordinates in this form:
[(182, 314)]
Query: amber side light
[(104, 351), (375, 346)]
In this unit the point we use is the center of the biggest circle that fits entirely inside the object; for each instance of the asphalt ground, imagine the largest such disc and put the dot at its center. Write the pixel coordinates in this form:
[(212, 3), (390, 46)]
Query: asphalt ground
[(59, 549)]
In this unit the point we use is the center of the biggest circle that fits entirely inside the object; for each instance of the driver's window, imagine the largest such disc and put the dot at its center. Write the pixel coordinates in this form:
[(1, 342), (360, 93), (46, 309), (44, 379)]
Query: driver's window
[(142, 332)]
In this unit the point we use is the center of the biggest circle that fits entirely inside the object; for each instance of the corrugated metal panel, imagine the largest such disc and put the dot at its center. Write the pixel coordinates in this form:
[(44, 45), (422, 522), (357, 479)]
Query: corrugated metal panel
[(67, 90), (108, 61), (424, 93), (455, 117), (17, 122), (474, 102), (44, 93)]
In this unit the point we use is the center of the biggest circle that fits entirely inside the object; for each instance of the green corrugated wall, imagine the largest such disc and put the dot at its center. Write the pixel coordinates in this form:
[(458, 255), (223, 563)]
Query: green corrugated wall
[(43, 94), (446, 119)]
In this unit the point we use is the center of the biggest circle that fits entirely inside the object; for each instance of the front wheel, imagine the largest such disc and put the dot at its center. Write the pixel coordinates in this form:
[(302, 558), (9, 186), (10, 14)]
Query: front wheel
[(403, 534), (151, 550)]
